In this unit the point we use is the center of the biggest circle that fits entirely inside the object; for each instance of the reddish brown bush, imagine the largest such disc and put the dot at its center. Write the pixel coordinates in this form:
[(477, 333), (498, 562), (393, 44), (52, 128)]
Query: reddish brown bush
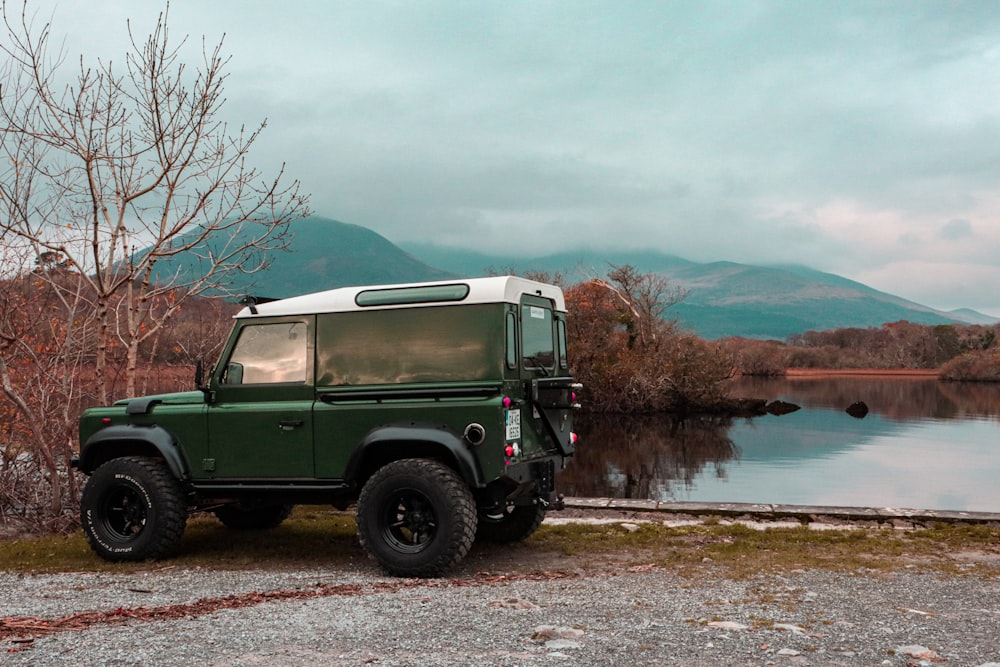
[(629, 358), (979, 366)]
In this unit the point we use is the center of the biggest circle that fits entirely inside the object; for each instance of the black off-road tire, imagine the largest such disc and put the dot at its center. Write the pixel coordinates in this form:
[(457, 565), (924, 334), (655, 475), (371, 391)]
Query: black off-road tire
[(133, 508), (513, 524), (253, 517), (416, 517)]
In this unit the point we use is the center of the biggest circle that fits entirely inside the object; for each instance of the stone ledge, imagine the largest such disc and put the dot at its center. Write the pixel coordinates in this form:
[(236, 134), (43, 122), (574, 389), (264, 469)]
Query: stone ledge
[(804, 513)]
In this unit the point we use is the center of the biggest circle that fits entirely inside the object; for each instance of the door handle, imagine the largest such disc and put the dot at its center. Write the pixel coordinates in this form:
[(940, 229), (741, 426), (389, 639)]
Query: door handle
[(289, 424)]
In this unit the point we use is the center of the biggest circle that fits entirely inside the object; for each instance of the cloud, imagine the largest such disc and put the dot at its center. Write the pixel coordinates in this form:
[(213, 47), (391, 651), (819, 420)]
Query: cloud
[(944, 284), (953, 230), (838, 134)]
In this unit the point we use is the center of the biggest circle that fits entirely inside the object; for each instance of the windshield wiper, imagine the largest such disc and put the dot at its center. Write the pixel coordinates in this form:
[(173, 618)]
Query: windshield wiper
[(538, 365)]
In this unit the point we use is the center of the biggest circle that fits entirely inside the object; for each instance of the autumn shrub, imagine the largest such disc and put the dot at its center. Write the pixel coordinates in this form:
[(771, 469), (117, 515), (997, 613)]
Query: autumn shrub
[(755, 357), (629, 358), (893, 345), (978, 366)]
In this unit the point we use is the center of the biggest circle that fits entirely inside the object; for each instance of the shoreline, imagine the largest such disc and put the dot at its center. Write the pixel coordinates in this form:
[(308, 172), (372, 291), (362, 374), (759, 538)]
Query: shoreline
[(805, 515), (887, 373)]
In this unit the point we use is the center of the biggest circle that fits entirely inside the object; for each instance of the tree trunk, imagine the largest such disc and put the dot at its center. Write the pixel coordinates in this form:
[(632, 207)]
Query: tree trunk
[(101, 353)]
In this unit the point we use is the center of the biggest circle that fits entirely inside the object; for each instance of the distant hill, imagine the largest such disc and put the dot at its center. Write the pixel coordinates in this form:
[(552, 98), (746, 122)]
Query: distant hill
[(730, 299), (574, 265), (723, 298), (972, 316), (324, 254)]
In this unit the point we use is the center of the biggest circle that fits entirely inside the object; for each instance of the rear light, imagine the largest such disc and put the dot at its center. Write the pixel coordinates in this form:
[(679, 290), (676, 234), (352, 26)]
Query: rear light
[(573, 437)]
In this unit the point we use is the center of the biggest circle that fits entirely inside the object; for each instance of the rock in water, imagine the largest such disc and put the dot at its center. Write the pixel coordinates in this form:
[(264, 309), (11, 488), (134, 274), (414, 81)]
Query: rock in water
[(780, 408), (857, 410)]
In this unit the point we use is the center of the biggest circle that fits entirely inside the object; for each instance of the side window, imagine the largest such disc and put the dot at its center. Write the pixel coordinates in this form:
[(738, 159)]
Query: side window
[(536, 337), (561, 342), (410, 345), (269, 353), (511, 340)]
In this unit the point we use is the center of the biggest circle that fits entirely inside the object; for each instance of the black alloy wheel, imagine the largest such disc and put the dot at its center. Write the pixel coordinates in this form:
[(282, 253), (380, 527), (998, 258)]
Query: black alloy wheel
[(416, 517), (133, 508)]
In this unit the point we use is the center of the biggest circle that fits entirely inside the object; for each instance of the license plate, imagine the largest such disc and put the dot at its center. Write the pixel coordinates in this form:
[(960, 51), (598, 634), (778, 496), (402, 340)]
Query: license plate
[(513, 420)]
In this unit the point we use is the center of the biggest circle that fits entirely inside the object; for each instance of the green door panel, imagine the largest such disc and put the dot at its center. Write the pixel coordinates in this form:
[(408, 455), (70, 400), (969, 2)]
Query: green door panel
[(262, 439), (341, 425)]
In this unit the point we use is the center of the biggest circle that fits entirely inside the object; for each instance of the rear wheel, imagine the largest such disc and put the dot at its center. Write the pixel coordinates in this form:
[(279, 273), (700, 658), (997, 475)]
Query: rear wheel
[(512, 523), (252, 517), (416, 517), (133, 508)]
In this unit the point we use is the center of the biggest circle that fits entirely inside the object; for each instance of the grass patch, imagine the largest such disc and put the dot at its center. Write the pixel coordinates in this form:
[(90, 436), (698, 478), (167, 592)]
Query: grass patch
[(746, 552), (311, 537), (325, 538)]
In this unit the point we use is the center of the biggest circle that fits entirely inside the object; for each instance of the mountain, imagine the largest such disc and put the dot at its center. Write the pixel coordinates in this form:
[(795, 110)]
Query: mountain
[(574, 265), (723, 298), (972, 316), (730, 299), (323, 254)]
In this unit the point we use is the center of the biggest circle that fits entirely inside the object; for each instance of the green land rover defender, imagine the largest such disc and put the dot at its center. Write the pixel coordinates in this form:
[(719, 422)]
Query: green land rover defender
[(443, 410)]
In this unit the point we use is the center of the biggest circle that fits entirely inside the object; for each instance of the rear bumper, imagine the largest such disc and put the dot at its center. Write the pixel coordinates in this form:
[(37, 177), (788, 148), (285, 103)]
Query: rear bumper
[(537, 477)]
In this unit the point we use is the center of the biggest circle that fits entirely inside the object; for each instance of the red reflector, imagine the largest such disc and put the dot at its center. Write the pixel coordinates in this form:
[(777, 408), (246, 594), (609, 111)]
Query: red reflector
[(105, 420)]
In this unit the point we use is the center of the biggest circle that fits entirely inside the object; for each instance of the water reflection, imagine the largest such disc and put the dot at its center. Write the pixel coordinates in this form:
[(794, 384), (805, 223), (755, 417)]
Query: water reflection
[(645, 456), (891, 398), (924, 444)]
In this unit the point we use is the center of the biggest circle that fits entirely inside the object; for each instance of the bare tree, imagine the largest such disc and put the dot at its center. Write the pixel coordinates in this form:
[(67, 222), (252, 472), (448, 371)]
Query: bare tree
[(125, 166), (643, 299), (44, 329)]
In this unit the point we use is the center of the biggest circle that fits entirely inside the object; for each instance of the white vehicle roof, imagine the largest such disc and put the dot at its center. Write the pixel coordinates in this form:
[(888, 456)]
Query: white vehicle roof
[(501, 289)]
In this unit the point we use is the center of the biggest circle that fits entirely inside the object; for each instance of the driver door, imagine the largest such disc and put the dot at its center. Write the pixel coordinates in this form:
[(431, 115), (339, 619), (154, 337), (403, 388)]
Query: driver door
[(260, 424)]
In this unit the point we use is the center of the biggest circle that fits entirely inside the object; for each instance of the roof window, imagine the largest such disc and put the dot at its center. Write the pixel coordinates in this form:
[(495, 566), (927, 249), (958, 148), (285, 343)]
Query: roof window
[(404, 295)]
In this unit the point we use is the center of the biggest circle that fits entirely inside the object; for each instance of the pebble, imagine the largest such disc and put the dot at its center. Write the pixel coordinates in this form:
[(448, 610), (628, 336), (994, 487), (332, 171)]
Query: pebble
[(918, 652), (647, 617), (728, 625)]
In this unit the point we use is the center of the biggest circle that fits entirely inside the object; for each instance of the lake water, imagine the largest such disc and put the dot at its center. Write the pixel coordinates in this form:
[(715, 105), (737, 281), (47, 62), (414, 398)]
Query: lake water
[(924, 444)]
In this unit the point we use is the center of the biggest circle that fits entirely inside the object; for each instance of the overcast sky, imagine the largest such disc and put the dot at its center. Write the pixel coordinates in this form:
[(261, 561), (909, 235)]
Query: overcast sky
[(859, 138)]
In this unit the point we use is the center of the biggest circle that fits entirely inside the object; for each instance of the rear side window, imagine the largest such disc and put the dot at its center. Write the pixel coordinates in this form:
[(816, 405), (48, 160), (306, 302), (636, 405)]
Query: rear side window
[(561, 340), (511, 345), (412, 345), (536, 343)]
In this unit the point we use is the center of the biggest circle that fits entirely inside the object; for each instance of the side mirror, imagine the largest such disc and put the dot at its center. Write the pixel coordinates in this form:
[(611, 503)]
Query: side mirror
[(199, 375), (234, 374)]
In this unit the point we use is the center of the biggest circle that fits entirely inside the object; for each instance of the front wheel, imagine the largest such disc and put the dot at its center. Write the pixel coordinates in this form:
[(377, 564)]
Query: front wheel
[(416, 517), (133, 508), (512, 523)]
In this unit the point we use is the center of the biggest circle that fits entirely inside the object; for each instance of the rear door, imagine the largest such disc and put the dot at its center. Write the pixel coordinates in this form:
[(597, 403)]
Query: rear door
[(545, 372)]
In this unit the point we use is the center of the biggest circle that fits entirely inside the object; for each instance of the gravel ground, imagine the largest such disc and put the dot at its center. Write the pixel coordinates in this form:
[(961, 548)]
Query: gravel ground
[(639, 616)]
